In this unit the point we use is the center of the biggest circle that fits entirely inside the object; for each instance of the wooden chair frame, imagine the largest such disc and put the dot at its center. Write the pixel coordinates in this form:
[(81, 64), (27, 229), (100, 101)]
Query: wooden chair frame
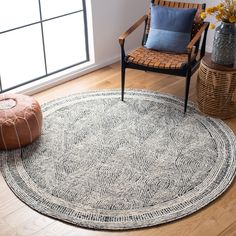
[(187, 71)]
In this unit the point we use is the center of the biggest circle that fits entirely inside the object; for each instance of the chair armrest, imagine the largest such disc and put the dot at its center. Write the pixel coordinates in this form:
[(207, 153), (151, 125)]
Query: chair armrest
[(131, 29), (197, 36)]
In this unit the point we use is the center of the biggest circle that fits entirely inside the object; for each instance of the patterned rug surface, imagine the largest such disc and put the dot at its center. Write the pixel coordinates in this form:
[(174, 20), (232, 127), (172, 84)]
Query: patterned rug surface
[(106, 164)]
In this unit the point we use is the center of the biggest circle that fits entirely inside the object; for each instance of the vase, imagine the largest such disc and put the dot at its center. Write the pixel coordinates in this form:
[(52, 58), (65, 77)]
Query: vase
[(224, 45)]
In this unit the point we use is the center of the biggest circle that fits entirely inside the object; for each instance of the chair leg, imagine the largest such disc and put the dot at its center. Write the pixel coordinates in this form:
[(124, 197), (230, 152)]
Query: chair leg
[(122, 81), (187, 85)]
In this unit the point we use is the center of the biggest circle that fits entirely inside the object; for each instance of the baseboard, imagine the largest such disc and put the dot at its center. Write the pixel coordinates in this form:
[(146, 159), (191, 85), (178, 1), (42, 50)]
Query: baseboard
[(39, 86)]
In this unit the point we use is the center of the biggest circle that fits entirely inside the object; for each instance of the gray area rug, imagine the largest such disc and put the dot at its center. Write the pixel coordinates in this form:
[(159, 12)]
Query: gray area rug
[(106, 164)]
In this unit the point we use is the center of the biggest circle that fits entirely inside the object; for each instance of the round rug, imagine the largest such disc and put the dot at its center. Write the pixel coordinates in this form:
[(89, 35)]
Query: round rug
[(106, 164)]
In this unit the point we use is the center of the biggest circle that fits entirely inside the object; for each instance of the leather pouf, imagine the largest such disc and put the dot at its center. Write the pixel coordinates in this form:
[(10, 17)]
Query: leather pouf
[(20, 120)]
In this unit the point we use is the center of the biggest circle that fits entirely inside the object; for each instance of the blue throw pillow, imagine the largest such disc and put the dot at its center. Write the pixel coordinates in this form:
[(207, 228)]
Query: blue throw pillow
[(170, 28)]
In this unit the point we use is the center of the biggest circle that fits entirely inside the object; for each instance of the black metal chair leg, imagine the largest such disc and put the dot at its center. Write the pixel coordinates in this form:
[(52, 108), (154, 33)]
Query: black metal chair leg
[(122, 82), (187, 85)]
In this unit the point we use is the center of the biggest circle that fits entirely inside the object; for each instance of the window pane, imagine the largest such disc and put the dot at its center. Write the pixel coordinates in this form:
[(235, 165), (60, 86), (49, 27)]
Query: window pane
[(21, 57), (15, 13), (52, 8), (64, 41)]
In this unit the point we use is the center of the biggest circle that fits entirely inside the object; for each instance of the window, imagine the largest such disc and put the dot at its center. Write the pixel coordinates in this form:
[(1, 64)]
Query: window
[(39, 38)]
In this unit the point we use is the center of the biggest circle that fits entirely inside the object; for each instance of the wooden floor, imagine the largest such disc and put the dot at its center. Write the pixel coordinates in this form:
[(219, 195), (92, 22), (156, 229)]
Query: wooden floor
[(218, 218)]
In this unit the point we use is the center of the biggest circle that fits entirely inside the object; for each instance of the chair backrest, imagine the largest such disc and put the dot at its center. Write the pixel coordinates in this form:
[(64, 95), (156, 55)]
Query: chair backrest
[(197, 20)]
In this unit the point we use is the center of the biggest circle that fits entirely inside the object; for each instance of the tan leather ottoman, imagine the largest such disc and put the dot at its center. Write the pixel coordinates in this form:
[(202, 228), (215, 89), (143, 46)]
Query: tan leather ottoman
[(20, 120)]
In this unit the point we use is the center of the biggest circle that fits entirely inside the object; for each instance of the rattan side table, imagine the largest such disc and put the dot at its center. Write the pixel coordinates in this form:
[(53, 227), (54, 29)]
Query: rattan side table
[(216, 89)]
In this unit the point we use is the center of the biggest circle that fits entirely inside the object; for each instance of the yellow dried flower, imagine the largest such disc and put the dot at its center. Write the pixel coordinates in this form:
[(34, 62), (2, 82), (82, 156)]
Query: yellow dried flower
[(222, 10), (225, 11), (214, 9), (212, 26), (209, 10), (219, 17), (232, 19), (203, 15)]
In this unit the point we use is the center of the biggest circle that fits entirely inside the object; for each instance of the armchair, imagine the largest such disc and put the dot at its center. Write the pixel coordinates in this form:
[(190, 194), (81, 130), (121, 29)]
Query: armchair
[(184, 64)]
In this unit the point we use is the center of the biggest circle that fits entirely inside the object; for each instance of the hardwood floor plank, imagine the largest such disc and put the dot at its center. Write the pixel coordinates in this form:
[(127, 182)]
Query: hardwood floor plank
[(3, 185), (218, 218), (5, 229), (229, 231), (26, 221), (9, 203)]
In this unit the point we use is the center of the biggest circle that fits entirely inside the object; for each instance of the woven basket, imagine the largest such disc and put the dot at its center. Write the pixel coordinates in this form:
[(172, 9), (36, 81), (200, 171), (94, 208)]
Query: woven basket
[(216, 92)]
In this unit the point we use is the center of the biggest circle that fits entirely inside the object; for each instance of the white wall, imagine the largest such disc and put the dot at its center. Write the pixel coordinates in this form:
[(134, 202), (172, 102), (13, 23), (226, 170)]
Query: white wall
[(110, 19), (211, 19)]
